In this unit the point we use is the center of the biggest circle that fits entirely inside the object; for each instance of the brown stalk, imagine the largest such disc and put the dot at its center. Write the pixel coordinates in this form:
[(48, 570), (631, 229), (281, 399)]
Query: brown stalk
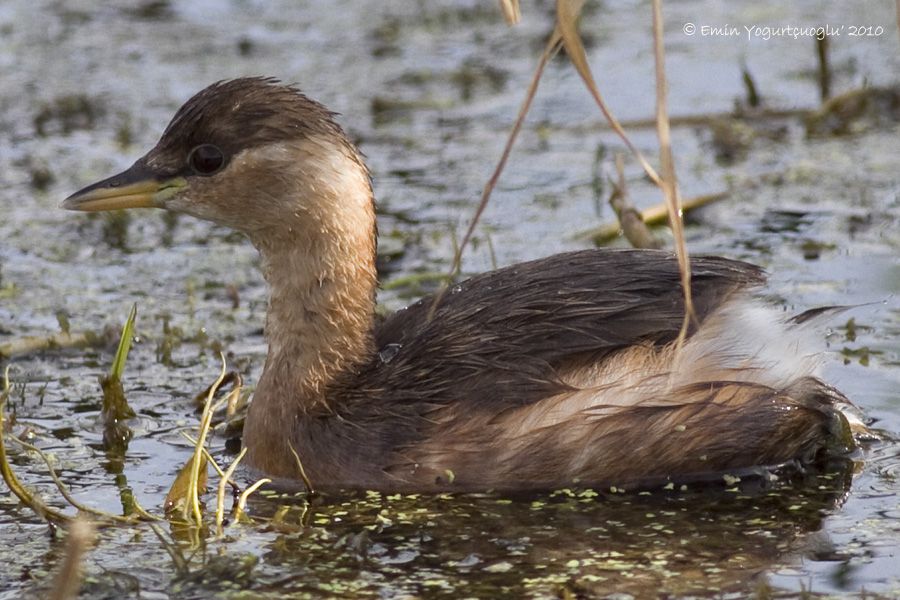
[(567, 12), (669, 183), (551, 48), (303, 475)]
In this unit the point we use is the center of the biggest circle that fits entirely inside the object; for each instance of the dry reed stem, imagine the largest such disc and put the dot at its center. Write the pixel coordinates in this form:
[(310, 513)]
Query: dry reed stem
[(567, 12), (550, 49), (511, 11), (209, 457), (220, 492), (669, 183), (68, 579), (565, 33)]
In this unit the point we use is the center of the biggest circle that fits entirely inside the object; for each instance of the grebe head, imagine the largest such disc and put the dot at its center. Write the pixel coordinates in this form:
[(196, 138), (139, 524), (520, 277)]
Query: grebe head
[(250, 154)]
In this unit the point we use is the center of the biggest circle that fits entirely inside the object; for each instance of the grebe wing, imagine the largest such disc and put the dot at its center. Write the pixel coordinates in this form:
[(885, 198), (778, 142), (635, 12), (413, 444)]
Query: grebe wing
[(502, 337)]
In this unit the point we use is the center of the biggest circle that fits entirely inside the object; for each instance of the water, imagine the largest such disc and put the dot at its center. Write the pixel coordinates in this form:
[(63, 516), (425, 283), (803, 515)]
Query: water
[(430, 90)]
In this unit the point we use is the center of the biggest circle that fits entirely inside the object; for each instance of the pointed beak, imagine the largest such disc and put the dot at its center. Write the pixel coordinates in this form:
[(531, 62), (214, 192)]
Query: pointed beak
[(137, 187)]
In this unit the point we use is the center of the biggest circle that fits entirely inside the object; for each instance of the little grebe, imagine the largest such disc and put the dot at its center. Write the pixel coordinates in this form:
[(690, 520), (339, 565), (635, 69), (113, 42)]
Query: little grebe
[(537, 375)]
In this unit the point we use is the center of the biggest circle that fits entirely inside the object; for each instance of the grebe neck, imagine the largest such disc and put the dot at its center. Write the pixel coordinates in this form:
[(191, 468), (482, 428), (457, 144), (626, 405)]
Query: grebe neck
[(319, 263)]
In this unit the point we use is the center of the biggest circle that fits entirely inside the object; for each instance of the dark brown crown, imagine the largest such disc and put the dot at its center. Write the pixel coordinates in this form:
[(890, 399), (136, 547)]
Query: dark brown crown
[(240, 114)]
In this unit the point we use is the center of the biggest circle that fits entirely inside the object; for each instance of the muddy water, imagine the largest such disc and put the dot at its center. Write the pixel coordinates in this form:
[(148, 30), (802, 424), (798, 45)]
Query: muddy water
[(429, 91)]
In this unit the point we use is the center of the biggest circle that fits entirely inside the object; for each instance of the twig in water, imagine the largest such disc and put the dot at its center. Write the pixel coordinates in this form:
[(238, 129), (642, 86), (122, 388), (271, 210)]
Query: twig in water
[(64, 491), (29, 344), (233, 377), (655, 215), (174, 552), (753, 99), (634, 228), (68, 579)]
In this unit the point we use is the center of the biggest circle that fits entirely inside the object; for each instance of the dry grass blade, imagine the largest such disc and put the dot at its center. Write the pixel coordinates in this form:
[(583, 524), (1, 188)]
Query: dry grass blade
[(68, 579), (669, 182), (209, 457), (552, 47), (511, 11), (567, 12)]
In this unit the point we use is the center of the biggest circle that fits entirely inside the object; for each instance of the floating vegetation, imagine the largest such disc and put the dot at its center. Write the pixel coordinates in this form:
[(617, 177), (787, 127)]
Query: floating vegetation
[(855, 111), (67, 114)]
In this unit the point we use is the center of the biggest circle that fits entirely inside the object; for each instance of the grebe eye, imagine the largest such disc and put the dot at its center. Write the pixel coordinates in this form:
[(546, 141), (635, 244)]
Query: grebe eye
[(206, 159)]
